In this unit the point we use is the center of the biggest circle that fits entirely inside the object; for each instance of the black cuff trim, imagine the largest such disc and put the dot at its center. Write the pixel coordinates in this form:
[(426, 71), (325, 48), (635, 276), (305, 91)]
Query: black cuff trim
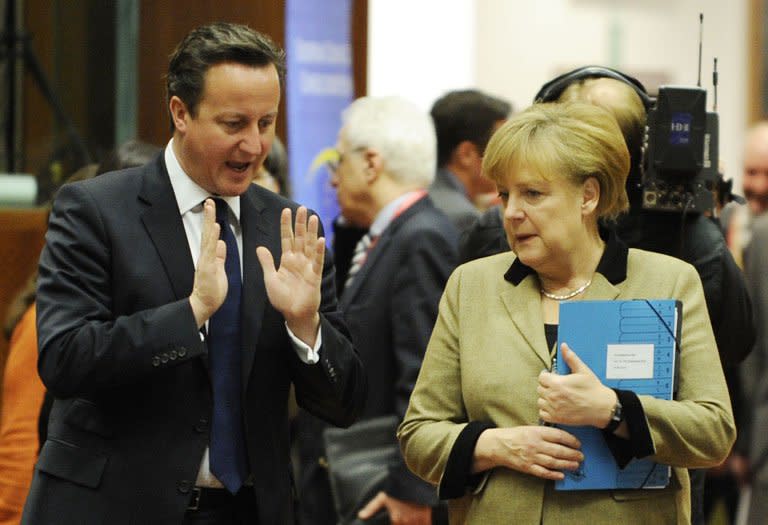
[(640, 443), (457, 475)]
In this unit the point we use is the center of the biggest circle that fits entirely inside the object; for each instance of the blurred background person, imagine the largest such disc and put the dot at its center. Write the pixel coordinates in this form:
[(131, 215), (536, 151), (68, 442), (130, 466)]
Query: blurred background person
[(754, 441), (475, 412), (273, 173), (386, 162), (747, 231), (24, 412), (464, 122)]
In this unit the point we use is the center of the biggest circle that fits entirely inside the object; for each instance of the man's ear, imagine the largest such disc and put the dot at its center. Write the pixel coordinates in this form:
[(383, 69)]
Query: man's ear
[(466, 153), (374, 165), (179, 113), (590, 197)]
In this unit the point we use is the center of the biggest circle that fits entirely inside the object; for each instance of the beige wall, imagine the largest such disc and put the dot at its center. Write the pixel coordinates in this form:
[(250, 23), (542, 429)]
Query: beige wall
[(514, 46)]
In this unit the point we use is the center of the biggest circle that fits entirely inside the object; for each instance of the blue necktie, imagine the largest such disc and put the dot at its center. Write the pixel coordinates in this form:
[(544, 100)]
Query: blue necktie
[(228, 456)]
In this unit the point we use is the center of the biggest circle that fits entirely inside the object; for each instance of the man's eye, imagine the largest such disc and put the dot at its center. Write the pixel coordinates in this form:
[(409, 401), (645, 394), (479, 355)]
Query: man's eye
[(232, 124), (265, 123), (504, 195), (533, 193)]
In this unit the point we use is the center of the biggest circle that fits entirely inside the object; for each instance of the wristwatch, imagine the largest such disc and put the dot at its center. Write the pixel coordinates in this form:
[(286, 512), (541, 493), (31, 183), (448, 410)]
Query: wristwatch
[(617, 416)]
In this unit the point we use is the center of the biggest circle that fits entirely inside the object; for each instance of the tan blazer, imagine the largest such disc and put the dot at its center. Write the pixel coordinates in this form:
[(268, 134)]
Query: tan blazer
[(482, 363)]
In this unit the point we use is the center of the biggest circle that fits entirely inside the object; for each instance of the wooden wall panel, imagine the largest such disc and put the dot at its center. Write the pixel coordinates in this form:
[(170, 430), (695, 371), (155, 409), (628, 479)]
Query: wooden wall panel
[(360, 46), (164, 24), (756, 60)]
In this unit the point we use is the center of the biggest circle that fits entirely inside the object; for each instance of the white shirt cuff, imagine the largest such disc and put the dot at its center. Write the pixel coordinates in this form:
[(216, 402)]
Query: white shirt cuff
[(307, 355)]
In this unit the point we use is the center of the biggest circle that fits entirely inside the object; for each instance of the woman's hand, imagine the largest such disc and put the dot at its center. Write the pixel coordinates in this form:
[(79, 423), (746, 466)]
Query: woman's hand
[(540, 451), (578, 398)]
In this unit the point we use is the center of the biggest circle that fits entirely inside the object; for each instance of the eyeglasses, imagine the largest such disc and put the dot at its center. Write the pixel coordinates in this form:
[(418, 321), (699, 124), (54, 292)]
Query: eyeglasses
[(338, 157)]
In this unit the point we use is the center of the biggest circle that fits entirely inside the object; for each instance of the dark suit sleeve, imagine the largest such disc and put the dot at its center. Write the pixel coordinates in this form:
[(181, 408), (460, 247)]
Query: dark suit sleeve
[(733, 326), (334, 389), (84, 346), (425, 266)]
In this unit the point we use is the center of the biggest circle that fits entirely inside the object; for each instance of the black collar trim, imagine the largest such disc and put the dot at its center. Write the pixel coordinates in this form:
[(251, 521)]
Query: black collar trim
[(613, 263)]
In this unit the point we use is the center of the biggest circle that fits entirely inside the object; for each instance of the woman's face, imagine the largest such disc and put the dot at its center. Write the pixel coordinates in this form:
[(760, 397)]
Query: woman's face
[(545, 219)]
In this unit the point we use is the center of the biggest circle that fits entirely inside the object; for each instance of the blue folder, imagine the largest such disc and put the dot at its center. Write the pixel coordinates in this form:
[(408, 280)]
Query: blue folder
[(629, 345)]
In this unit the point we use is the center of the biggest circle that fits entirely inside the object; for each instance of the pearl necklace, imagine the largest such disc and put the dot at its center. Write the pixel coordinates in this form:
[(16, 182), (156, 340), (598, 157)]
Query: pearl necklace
[(568, 295)]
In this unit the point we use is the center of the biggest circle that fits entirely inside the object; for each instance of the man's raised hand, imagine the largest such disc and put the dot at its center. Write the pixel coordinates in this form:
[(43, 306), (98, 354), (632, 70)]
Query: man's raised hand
[(294, 288)]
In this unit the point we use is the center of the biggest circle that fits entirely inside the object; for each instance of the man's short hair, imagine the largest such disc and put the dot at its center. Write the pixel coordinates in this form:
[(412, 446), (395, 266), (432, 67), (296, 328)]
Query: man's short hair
[(213, 44), (466, 115), (620, 100), (400, 131)]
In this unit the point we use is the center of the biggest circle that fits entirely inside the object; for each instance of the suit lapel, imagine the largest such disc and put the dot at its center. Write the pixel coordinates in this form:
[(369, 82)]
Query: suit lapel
[(166, 229), (601, 290), (378, 251), (349, 294), (256, 232), (524, 306)]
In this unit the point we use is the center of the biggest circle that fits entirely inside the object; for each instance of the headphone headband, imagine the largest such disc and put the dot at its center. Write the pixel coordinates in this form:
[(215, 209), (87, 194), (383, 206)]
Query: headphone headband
[(552, 90)]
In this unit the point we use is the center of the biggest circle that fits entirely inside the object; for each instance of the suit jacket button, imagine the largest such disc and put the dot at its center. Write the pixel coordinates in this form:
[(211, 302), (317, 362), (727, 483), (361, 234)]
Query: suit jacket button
[(164, 357), (173, 354), (184, 486), (202, 425), (182, 351), (155, 361)]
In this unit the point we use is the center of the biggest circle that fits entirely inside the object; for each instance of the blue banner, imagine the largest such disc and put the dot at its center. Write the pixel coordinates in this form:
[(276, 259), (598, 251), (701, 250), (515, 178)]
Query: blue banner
[(319, 85)]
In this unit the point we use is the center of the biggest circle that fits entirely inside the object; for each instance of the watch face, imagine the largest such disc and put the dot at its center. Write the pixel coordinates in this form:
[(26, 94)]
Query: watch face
[(618, 412)]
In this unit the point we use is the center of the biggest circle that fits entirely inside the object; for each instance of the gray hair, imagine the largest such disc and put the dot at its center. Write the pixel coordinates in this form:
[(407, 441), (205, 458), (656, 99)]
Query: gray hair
[(403, 134)]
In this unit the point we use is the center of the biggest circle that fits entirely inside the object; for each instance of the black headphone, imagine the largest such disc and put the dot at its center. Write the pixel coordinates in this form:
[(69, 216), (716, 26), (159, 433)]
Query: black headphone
[(552, 90)]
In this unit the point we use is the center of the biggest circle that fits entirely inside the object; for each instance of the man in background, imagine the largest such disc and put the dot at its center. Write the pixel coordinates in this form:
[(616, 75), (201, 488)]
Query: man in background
[(747, 232), (464, 122), (755, 179), (386, 152)]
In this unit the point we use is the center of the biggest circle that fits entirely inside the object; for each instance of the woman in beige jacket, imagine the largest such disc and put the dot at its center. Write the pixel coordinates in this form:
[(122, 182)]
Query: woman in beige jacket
[(473, 424)]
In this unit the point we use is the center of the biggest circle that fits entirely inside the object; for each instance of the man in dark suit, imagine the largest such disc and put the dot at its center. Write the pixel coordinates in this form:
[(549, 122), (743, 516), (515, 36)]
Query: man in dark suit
[(747, 230), (169, 349), (464, 122), (390, 299)]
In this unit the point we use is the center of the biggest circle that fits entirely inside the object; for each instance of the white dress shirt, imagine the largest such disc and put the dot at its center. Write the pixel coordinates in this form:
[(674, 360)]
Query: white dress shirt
[(189, 198)]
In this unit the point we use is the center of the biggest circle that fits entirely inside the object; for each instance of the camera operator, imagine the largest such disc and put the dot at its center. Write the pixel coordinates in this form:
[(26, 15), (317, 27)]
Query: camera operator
[(693, 238)]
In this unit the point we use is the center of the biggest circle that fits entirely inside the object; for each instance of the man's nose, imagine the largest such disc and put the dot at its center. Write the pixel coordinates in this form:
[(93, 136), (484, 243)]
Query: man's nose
[(761, 183), (333, 178), (251, 142)]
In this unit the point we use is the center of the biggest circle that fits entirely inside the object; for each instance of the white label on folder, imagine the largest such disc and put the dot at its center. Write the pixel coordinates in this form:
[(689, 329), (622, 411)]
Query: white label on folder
[(629, 361)]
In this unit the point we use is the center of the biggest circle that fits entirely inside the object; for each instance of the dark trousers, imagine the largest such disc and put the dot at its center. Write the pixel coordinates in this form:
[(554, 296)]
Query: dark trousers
[(218, 507)]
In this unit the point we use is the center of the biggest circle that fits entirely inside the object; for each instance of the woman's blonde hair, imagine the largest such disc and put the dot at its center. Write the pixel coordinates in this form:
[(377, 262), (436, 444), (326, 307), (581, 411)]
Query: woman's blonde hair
[(573, 140)]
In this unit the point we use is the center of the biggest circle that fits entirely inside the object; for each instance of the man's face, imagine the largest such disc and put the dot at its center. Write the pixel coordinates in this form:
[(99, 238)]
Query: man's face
[(352, 188), (482, 185), (755, 181), (222, 148)]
